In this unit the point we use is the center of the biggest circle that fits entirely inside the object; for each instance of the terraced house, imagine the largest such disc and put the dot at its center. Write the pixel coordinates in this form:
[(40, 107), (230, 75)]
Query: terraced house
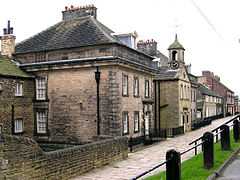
[(67, 59), (209, 103)]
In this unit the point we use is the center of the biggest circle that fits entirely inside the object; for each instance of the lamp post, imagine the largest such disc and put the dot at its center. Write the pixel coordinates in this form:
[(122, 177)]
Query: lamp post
[(97, 78)]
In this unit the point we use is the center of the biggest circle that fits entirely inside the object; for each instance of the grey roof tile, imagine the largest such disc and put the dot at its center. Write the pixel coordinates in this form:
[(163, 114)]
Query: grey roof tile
[(68, 34)]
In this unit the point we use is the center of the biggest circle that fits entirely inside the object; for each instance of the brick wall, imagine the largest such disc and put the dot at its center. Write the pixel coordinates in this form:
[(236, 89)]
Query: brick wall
[(22, 159)]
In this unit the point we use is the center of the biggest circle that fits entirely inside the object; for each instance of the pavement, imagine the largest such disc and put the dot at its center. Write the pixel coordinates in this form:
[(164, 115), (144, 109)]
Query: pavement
[(232, 171), (145, 159)]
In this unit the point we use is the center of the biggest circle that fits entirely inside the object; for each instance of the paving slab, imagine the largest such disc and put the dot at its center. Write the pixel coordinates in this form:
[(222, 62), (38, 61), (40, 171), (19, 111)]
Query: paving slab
[(145, 159)]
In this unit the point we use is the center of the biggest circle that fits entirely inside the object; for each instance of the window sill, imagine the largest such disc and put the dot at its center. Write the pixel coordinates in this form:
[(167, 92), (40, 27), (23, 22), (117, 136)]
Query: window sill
[(18, 133), (19, 96), (40, 100), (124, 134), (125, 95), (41, 134)]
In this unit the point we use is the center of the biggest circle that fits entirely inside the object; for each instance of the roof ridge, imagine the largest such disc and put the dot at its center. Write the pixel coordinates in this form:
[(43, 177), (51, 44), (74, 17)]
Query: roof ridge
[(50, 27), (101, 29), (25, 40)]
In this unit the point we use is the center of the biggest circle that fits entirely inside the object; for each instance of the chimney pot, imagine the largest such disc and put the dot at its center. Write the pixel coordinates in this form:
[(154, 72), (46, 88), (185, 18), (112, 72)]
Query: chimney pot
[(79, 11)]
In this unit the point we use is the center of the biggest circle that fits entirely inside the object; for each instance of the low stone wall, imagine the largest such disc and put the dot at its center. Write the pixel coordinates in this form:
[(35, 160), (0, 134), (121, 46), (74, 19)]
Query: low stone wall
[(22, 158)]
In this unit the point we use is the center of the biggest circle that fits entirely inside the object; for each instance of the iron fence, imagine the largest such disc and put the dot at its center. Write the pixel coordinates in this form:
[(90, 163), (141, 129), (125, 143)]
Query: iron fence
[(173, 158)]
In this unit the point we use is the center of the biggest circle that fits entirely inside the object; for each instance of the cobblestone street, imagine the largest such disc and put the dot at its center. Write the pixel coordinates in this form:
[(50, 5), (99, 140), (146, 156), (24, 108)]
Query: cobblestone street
[(147, 158)]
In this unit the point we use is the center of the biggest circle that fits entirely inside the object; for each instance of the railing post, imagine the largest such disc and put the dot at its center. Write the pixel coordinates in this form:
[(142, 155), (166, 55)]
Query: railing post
[(195, 147), (217, 135), (236, 130), (208, 150), (225, 137), (173, 165)]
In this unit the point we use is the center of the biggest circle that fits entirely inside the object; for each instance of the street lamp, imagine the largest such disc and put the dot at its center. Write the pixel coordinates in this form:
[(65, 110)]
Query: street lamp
[(97, 78)]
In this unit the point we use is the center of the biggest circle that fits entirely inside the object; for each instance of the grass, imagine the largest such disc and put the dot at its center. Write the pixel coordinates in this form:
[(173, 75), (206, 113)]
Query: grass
[(193, 169)]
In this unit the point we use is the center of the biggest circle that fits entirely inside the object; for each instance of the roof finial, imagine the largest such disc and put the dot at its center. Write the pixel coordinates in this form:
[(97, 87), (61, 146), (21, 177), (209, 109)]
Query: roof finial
[(176, 37)]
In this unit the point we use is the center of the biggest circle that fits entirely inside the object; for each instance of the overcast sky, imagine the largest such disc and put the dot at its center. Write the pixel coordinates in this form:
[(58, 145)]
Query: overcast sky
[(209, 30)]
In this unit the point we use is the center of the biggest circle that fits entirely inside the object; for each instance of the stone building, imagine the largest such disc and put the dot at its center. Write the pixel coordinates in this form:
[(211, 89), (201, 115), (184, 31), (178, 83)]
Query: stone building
[(236, 104), (194, 88), (174, 86), (150, 47), (213, 82), (64, 59), (16, 91), (209, 103)]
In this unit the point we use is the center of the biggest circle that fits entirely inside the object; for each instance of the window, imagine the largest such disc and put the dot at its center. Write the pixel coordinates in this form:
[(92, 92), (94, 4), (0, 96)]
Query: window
[(1, 128), (147, 89), (185, 92), (19, 89), (136, 121), (125, 85), (1, 87), (136, 87), (18, 126), (41, 88), (125, 123), (174, 55), (181, 91), (41, 122)]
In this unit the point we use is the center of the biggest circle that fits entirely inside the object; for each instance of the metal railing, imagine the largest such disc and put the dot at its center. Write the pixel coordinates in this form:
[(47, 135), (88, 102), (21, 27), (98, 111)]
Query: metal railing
[(173, 158)]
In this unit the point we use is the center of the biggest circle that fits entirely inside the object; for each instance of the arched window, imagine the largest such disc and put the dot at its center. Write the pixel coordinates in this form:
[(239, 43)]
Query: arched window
[(181, 91), (174, 55)]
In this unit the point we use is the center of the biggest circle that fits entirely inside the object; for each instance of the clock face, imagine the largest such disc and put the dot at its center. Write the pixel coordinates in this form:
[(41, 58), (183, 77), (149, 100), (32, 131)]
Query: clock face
[(174, 64)]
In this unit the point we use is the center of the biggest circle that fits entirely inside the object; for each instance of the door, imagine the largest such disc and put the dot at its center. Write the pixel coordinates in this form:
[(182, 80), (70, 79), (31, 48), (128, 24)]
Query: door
[(146, 120)]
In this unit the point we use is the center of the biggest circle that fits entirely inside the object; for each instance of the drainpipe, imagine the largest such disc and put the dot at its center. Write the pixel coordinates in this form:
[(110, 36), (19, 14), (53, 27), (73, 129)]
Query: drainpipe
[(97, 78), (13, 116)]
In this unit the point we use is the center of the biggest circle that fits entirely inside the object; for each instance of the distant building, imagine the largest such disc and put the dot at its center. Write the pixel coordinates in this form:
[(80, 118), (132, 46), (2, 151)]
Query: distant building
[(213, 82), (150, 47), (194, 89), (236, 104), (174, 86), (209, 104)]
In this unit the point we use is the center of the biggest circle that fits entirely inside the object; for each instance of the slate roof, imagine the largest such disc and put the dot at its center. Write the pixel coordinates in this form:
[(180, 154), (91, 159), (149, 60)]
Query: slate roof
[(204, 90), (9, 68), (79, 32), (192, 78), (165, 73)]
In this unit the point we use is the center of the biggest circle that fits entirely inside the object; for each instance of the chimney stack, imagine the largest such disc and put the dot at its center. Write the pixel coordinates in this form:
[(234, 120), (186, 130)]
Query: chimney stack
[(149, 47), (8, 41), (81, 11)]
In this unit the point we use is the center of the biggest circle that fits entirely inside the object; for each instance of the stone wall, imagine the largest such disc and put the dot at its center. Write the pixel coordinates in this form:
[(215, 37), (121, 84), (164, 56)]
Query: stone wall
[(169, 101), (16, 107), (22, 159)]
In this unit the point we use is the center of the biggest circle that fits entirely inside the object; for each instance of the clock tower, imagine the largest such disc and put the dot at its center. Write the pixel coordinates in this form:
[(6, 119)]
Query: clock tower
[(176, 54)]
